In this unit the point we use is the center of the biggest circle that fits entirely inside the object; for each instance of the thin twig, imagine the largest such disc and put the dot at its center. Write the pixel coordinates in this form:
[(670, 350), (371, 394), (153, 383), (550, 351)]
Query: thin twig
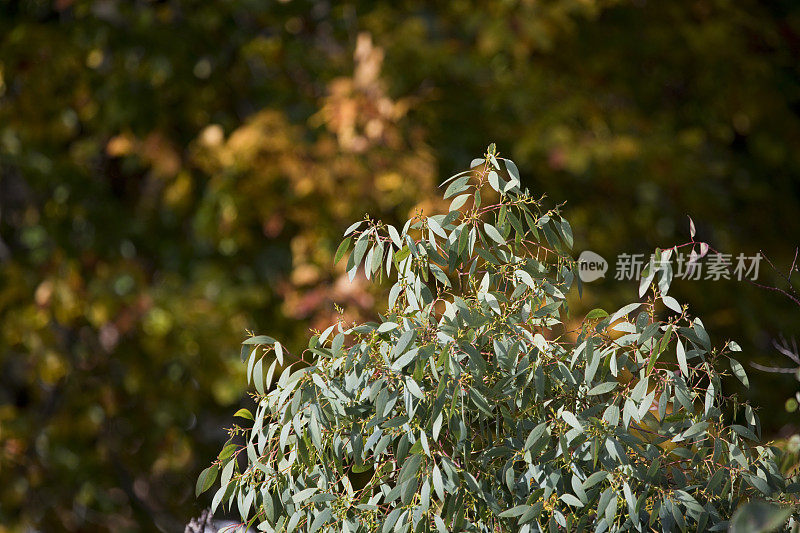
[(794, 355), (774, 369)]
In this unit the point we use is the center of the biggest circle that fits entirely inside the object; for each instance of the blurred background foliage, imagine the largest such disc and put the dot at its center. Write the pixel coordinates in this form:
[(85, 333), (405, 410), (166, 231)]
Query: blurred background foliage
[(173, 173)]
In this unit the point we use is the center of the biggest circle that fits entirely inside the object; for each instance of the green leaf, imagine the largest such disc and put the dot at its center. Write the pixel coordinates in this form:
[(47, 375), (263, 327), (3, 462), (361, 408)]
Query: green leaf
[(404, 360), (515, 223), (458, 202), (623, 312), (518, 510), (409, 468), (569, 499), (662, 345), (602, 388), (244, 413), (611, 509), (594, 479), (534, 511), (611, 415), (456, 187), (352, 228), (293, 521), (246, 351), (303, 494), (387, 326), (700, 330), (696, 429), (526, 278), (471, 482), (682, 358), (360, 249), (512, 169), (624, 327), (566, 233), (414, 389), (438, 484), (596, 313), (336, 345), (744, 432), (480, 401), (323, 497), (404, 252), (260, 339), (402, 343), (227, 472), (436, 228), (692, 506), (321, 519), (551, 236), (493, 234), (577, 487), (395, 236), (651, 363), (377, 258), (572, 420), (682, 393), (227, 451), (316, 433), (206, 479), (258, 375), (672, 303), (340, 251), (535, 434), (439, 274), (738, 371), (494, 181)]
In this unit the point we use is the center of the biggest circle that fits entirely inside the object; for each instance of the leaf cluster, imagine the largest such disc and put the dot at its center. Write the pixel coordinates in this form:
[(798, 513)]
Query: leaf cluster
[(468, 406)]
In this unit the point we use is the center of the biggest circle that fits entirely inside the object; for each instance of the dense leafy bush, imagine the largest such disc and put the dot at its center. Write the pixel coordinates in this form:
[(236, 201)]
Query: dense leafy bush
[(471, 405)]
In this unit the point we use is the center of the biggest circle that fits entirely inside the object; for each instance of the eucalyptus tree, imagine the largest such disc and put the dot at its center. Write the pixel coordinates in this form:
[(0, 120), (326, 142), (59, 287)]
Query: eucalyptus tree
[(471, 404)]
